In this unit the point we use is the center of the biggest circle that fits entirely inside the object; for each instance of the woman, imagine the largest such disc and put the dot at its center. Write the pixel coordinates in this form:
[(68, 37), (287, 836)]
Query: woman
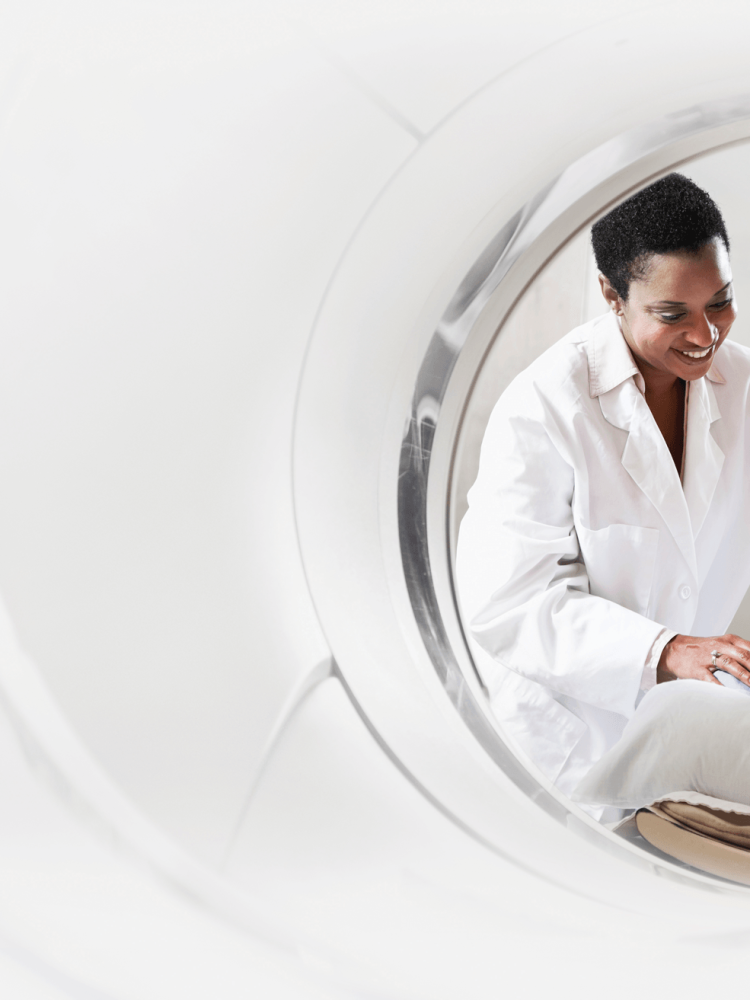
[(607, 543)]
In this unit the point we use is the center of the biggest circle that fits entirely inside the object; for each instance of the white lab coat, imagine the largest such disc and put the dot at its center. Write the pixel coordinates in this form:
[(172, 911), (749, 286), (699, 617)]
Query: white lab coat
[(581, 544)]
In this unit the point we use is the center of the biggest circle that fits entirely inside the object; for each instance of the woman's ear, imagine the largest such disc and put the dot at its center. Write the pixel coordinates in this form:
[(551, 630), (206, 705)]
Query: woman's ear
[(611, 297)]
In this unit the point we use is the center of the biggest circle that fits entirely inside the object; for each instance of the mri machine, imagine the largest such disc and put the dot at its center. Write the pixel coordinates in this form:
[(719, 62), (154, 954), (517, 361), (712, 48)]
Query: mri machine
[(265, 269)]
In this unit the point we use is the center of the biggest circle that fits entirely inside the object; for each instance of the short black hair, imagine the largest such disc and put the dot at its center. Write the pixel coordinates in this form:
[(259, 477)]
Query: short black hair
[(671, 215)]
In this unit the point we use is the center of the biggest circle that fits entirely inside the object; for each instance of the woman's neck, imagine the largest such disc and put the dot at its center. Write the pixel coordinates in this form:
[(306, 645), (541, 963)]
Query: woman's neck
[(665, 396), (658, 383)]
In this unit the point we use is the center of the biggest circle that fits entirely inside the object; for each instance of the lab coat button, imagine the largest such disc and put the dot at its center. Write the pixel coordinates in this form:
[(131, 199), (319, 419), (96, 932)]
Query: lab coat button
[(685, 593)]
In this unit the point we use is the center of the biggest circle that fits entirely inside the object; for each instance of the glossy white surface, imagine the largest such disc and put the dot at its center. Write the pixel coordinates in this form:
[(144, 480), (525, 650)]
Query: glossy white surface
[(83, 917), (171, 215), (189, 192)]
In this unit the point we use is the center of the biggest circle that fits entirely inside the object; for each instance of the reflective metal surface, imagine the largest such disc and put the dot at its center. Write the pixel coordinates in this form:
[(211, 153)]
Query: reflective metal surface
[(526, 242)]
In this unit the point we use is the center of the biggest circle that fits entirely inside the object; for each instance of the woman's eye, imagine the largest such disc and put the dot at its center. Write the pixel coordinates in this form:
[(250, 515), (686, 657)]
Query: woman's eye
[(676, 317)]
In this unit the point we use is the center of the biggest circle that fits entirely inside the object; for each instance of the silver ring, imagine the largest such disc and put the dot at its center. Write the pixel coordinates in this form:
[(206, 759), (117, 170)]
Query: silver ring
[(714, 654)]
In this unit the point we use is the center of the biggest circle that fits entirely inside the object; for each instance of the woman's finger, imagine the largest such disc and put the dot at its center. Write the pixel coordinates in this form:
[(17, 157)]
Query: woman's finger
[(734, 653), (734, 668), (741, 645)]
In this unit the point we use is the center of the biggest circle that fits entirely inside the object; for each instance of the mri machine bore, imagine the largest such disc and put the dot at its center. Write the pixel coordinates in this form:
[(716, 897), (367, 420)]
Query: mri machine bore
[(264, 270)]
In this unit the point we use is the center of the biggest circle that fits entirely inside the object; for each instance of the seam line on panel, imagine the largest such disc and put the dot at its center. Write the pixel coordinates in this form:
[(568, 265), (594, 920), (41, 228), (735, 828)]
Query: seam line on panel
[(533, 55), (368, 91), (300, 692)]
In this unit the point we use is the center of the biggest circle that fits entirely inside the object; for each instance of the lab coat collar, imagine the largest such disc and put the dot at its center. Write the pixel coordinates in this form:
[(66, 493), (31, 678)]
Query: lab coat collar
[(611, 361), (614, 378)]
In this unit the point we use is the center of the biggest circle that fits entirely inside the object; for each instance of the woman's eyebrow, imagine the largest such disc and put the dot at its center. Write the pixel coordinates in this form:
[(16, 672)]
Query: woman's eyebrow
[(670, 302)]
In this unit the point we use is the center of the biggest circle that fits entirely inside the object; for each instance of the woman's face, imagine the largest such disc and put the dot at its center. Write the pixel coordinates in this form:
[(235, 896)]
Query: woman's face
[(678, 314)]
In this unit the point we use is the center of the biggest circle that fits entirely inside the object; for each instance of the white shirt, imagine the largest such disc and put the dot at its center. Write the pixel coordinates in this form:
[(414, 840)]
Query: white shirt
[(582, 552)]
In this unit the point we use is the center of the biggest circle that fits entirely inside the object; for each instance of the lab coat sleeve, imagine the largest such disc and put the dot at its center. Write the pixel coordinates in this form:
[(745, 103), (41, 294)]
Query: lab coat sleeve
[(522, 580), (648, 679)]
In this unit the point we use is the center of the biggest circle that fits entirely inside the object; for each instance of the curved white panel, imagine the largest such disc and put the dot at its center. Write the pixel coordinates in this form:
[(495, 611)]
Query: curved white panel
[(230, 232), (160, 196)]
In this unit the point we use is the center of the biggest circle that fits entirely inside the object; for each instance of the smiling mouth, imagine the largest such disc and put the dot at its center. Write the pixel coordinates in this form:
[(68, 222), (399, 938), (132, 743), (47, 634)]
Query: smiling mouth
[(697, 354)]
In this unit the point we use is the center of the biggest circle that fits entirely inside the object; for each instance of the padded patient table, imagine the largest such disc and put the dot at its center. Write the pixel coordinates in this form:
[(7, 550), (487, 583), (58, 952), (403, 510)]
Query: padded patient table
[(714, 840)]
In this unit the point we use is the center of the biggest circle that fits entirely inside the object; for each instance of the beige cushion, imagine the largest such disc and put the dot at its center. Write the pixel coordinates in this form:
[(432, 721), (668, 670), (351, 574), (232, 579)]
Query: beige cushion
[(665, 825), (730, 828)]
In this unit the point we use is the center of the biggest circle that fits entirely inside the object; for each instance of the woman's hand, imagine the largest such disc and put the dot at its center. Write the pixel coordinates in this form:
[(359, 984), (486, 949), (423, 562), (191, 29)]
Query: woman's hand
[(690, 656)]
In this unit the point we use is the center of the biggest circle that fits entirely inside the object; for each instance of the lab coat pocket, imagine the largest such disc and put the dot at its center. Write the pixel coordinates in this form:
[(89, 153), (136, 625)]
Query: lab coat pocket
[(535, 721), (620, 561)]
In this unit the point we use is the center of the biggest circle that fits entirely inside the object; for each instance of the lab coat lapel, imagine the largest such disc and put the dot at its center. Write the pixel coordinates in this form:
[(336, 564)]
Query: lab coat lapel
[(649, 462), (704, 459)]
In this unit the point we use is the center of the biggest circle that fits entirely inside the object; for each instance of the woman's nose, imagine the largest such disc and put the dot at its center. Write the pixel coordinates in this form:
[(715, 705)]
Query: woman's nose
[(704, 333)]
